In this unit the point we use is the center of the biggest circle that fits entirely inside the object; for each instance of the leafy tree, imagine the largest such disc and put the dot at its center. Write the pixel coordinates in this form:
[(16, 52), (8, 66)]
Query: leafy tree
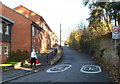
[(115, 12), (108, 11)]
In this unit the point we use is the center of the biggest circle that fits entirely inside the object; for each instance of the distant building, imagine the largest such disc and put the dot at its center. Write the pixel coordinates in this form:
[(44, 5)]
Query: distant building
[(54, 40)]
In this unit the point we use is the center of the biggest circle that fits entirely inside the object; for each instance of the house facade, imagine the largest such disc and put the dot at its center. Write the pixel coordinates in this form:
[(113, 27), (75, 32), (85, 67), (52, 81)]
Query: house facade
[(47, 35), (23, 29), (5, 36), (25, 34)]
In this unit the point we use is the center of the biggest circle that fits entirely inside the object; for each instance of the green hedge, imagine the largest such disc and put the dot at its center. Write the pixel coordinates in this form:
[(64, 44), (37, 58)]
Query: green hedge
[(91, 46), (17, 56)]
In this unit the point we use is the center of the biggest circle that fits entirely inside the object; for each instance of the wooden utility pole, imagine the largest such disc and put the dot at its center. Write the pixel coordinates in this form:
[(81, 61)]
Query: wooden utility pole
[(60, 34)]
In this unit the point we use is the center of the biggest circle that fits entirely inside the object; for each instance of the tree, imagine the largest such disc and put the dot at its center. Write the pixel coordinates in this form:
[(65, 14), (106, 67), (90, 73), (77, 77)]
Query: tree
[(115, 12), (107, 11)]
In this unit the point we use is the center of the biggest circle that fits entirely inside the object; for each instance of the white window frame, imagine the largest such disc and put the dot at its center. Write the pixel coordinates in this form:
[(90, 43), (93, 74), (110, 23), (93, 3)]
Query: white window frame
[(7, 30), (33, 31), (1, 31), (5, 50), (37, 50), (0, 50)]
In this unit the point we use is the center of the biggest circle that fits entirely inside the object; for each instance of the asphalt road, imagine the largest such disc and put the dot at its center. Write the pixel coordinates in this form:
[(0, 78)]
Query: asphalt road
[(73, 74)]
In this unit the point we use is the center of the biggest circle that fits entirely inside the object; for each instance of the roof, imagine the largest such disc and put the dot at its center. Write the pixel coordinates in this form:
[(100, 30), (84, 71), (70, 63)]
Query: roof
[(26, 9), (37, 26), (21, 15), (42, 19), (17, 12)]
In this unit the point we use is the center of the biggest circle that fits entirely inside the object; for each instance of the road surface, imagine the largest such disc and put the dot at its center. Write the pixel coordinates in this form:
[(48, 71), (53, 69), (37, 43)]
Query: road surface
[(74, 61)]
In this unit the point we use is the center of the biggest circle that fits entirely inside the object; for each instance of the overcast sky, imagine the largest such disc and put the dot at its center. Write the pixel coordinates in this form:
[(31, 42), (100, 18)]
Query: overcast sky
[(67, 12)]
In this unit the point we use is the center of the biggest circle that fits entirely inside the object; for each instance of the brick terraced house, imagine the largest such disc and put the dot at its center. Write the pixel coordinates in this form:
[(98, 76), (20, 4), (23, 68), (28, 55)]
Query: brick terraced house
[(48, 37), (23, 29), (18, 32), (5, 36)]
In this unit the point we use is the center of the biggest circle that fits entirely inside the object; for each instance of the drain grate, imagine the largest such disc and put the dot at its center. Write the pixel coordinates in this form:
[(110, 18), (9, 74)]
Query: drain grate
[(91, 69)]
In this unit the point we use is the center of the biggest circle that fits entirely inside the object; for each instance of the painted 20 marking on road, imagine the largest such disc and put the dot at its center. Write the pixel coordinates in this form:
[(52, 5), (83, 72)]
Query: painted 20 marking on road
[(91, 69), (84, 69), (59, 68)]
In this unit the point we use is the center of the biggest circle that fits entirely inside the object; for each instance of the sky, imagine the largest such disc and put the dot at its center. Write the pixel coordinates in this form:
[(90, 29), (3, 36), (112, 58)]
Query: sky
[(67, 12)]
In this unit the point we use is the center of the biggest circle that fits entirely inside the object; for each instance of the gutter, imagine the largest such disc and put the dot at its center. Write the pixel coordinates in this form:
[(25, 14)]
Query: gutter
[(6, 18)]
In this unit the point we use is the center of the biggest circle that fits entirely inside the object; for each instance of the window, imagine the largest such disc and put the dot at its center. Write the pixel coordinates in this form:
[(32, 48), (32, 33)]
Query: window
[(0, 50), (5, 49), (33, 31), (40, 35), (1, 28), (37, 50), (40, 24), (32, 47), (36, 33), (44, 26), (7, 30)]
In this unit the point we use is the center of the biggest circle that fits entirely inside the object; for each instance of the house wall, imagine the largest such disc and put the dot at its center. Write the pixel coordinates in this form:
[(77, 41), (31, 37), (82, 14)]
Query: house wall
[(46, 41), (21, 30), (5, 40), (36, 40), (6, 31)]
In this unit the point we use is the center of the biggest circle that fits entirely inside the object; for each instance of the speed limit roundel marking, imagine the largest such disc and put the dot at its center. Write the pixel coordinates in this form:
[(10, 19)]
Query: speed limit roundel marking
[(116, 31)]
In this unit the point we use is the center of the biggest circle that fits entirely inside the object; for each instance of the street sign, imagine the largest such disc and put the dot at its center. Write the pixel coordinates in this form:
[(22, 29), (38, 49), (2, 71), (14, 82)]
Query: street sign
[(116, 32)]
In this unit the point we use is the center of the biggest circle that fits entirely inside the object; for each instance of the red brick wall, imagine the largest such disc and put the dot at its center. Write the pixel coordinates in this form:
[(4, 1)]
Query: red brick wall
[(36, 41), (37, 20), (21, 30)]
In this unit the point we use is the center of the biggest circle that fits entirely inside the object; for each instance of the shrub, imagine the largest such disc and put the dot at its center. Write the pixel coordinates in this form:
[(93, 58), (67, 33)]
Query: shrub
[(17, 56), (118, 51), (102, 52), (25, 54), (11, 57)]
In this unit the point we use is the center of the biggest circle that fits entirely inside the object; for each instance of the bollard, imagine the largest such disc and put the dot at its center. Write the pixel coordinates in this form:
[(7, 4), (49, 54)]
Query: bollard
[(55, 51), (47, 57), (51, 55)]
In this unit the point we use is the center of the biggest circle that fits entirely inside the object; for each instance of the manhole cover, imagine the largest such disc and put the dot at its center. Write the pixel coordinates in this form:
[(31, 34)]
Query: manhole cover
[(59, 68), (91, 69)]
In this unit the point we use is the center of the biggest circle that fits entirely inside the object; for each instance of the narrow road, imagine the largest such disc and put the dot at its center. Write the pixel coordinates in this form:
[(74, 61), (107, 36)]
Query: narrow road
[(73, 74)]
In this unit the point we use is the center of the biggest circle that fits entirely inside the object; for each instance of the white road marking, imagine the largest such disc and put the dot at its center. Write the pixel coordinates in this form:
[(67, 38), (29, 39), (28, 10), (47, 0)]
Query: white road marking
[(89, 68), (60, 68)]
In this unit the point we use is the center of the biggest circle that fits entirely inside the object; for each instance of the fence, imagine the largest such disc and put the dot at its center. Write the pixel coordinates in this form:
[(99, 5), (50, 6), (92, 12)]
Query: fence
[(44, 58)]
